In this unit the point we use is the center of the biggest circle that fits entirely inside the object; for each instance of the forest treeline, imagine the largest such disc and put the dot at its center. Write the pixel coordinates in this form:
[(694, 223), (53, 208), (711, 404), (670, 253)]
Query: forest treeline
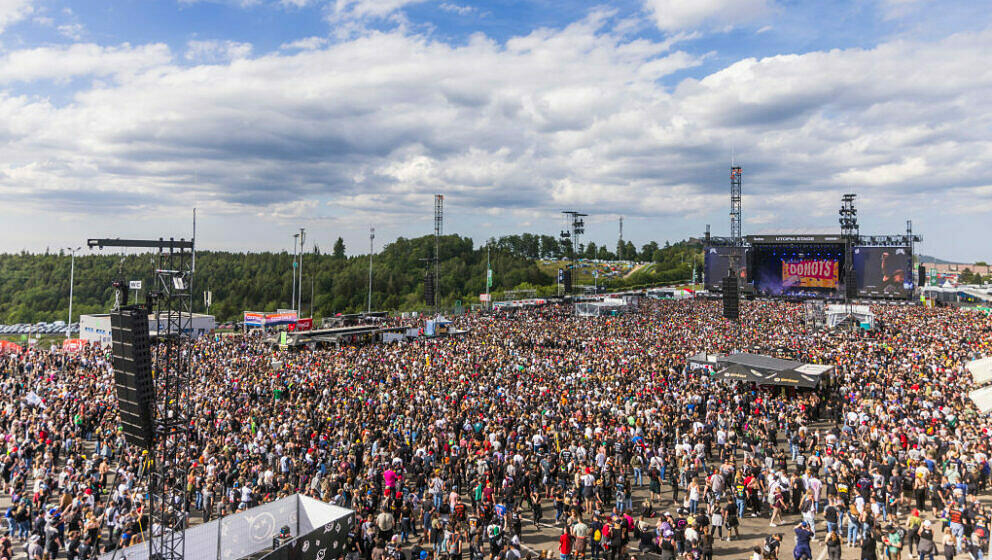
[(35, 287)]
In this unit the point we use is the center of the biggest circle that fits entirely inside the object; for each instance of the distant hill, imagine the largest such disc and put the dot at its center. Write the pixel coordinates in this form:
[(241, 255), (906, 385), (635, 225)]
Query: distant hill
[(929, 259), (35, 287)]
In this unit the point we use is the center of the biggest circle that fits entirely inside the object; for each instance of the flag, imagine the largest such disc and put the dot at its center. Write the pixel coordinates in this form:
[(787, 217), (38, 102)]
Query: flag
[(489, 278), (427, 362)]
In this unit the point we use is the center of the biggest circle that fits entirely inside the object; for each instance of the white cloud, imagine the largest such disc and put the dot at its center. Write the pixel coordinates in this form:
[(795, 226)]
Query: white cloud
[(368, 9), (457, 8), (212, 51), (305, 44), (13, 11), (81, 59), (677, 15), (72, 31), (570, 117), (895, 9)]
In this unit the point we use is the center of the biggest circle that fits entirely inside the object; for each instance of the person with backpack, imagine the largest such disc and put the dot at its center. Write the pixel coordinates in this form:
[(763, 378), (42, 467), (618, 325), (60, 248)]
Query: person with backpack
[(595, 538), (771, 546), (731, 520), (893, 540), (834, 544)]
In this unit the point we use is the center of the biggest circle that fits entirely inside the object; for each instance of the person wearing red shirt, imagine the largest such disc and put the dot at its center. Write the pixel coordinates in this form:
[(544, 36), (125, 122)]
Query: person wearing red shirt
[(565, 545)]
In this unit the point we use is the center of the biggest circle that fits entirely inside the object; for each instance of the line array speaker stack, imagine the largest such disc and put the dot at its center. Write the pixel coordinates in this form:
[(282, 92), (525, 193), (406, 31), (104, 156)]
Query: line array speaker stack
[(850, 284), (568, 280), (133, 380), (921, 276), (429, 287), (731, 298)]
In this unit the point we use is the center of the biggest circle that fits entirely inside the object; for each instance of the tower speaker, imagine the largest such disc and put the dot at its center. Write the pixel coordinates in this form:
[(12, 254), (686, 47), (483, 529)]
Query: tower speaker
[(133, 380), (921, 276), (568, 280), (850, 284), (731, 298), (429, 287)]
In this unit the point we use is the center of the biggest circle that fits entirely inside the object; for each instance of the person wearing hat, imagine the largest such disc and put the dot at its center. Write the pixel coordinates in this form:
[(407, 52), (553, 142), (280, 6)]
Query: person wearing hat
[(804, 536), (34, 548)]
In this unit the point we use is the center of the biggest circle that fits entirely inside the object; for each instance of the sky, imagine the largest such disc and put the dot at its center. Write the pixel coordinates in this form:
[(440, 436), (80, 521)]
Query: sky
[(118, 117)]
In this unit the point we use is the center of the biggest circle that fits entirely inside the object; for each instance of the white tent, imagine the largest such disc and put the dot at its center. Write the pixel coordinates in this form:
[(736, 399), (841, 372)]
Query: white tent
[(982, 398), (981, 370), (837, 314)]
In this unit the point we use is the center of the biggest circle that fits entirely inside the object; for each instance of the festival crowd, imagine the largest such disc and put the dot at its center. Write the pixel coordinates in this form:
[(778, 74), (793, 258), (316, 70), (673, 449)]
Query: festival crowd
[(476, 446)]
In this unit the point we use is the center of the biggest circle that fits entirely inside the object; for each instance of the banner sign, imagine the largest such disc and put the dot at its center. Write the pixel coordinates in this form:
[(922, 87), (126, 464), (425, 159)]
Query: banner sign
[(304, 324), (810, 273), (483, 297), (73, 345), (254, 319), (284, 318)]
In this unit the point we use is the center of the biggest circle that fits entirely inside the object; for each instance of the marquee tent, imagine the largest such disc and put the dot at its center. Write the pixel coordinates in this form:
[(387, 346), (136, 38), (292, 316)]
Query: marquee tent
[(981, 370), (837, 314)]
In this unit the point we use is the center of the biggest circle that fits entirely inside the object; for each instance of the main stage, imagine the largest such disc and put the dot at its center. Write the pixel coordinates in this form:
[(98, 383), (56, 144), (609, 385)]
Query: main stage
[(810, 266)]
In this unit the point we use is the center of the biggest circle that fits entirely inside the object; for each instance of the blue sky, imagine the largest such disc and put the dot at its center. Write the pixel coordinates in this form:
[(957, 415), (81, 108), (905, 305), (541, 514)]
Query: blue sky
[(268, 115)]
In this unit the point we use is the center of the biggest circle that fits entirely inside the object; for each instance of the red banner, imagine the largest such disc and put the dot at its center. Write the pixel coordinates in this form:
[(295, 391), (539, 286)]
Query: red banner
[(73, 344), (810, 273), (304, 324)]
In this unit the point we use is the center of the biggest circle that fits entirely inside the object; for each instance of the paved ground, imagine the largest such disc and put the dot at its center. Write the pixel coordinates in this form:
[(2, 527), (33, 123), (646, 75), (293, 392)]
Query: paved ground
[(544, 539)]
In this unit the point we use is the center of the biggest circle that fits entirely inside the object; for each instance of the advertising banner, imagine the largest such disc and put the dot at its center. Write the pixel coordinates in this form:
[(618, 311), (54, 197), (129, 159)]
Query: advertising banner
[(253, 319), (283, 318), (809, 273), (73, 345), (257, 319)]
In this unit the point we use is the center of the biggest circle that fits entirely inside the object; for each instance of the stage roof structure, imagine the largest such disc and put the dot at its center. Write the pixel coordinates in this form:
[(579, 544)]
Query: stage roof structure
[(762, 370)]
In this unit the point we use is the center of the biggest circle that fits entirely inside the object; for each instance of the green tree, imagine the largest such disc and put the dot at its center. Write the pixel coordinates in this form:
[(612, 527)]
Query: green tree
[(590, 252), (338, 250)]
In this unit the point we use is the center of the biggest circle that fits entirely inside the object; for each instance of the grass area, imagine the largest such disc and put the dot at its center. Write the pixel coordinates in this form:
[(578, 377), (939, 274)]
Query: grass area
[(584, 270)]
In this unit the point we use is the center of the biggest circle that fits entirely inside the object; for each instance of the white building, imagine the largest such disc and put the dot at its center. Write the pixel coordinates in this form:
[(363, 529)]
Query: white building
[(96, 328)]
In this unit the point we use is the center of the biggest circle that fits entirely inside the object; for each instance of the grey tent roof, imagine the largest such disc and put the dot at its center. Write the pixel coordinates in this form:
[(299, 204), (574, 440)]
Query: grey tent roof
[(766, 370), (759, 361)]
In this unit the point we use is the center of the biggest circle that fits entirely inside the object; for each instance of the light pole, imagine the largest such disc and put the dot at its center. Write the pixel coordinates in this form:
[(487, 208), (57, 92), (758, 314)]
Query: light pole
[(292, 302), (371, 250), (299, 295), (72, 276), (489, 280)]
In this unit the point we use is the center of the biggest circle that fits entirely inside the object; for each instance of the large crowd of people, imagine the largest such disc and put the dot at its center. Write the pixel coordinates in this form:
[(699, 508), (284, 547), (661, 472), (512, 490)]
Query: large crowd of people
[(476, 446)]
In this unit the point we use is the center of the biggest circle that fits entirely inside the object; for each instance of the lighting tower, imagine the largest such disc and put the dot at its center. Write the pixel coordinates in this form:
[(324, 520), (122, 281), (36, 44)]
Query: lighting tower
[(578, 228), (371, 251), (438, 232), (850, 231), (620, 242), (735, 205)]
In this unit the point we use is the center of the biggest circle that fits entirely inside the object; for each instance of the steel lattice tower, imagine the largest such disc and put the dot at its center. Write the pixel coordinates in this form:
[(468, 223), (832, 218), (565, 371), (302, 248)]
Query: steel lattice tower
[(735, 205), (438, 232), (170, 302)]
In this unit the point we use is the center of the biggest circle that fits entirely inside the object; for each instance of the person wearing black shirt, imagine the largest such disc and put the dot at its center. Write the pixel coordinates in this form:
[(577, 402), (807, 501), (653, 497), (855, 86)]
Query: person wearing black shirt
[(831, 515), (868, 546)]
